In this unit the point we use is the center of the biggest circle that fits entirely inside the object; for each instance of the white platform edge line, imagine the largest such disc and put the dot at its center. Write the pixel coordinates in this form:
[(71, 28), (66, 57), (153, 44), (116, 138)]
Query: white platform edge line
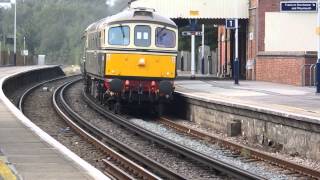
[(92, 171), (260, 109)]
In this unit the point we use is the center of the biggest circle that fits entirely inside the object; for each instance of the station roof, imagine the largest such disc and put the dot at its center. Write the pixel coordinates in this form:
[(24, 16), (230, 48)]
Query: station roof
[(197, 9)]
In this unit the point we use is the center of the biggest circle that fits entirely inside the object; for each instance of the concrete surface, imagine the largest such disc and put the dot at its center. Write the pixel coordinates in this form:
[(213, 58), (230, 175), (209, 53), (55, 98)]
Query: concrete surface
[(29, 153), (277, 97)]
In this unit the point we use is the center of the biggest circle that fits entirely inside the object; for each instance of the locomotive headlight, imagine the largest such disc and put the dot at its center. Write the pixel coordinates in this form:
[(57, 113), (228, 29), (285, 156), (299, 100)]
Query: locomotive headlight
[(142, 62)]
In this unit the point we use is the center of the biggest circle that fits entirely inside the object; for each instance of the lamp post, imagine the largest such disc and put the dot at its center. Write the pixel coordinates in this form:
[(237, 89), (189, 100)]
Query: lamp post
[(318, 59), (15, 34), (236, 59), (0, 51)]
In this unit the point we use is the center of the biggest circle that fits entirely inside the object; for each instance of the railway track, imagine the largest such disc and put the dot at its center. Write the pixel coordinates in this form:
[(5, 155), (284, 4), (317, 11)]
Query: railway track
[(187, 152), (120, 169), (117, 165), (240, 150)]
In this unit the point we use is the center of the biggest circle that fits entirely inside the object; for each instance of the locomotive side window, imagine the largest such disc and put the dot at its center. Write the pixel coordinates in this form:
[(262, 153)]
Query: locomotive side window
[(165, 38), (119, 35), (142, 36)]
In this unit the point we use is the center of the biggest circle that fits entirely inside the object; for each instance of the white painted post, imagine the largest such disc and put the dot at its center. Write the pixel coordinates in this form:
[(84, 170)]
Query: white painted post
[(236, 60), (318, 60), (24, 48), (202, 53), (193, 56), (0, 52), (15, 33)]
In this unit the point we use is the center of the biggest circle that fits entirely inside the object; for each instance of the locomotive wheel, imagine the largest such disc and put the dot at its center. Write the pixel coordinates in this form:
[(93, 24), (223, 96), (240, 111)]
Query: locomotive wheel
[(158, 110)]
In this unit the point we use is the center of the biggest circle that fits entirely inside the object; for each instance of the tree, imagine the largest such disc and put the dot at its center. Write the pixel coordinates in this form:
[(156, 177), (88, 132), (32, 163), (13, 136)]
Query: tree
[(55, 27)]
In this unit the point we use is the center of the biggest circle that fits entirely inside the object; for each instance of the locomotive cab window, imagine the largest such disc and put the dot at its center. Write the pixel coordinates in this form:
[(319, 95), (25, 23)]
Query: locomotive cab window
[(165, 38), (119, 35), (142, 36)]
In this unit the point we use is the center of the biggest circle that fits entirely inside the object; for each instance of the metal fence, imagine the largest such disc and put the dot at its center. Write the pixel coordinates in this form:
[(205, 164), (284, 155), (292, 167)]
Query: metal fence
[(308, 75)]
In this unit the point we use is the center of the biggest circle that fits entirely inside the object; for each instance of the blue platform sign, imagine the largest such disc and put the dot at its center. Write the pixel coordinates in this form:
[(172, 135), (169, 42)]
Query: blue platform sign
[(299, 6), (231, 23)]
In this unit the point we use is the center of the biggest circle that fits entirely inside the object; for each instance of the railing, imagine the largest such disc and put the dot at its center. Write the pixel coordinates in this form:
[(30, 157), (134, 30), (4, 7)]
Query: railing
[(311, 75)]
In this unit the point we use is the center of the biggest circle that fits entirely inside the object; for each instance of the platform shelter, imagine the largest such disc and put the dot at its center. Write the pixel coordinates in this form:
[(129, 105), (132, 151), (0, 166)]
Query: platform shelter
[(204, 13)]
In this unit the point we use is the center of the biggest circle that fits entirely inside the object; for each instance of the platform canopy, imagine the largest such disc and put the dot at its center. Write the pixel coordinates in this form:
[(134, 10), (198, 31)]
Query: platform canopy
[(198, 9)]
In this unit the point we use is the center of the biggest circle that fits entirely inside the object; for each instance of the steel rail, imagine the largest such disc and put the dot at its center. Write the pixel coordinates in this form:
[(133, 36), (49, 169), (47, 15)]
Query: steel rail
[(253, 153), (192, 154), (28, 91), (96, 136)]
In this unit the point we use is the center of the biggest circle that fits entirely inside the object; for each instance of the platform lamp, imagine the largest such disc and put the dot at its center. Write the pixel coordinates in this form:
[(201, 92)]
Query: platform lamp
[(318, 57)]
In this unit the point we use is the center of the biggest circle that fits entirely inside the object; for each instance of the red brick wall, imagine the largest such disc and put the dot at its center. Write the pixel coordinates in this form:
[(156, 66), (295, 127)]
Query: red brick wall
[(283, 69), (224, 51)]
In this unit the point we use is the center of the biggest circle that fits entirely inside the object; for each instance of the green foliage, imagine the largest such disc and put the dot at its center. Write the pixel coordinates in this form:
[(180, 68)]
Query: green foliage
[(54, 27)]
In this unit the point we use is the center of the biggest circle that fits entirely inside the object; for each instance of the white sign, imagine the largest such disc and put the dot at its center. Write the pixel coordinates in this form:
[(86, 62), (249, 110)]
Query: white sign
[(189, 33), (25, 52)]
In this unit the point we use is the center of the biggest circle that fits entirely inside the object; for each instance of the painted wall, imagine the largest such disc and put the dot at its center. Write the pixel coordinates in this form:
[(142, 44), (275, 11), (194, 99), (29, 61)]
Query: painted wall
[(290, 31)]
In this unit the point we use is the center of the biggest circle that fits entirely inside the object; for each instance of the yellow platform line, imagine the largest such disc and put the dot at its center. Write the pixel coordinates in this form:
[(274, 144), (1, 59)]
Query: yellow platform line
[(5, 171)]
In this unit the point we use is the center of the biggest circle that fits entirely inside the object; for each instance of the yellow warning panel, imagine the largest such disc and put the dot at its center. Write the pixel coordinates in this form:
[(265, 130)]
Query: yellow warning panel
[(141, 65), (5, 171)]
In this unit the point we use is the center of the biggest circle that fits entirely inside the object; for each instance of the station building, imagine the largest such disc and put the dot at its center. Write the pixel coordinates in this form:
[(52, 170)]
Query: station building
[(281, 45), (274, 45)]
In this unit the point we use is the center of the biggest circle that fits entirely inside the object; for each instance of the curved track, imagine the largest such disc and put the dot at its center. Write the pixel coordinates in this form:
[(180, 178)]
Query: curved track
[(117, 165), (187, 152)]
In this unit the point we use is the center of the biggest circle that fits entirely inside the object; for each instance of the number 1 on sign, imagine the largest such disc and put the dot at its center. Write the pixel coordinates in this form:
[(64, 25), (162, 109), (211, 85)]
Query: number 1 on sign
[(231, 23)]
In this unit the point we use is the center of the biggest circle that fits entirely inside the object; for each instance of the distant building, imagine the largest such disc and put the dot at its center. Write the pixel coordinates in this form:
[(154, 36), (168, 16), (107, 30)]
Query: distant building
[(274, 45), (281, 44)]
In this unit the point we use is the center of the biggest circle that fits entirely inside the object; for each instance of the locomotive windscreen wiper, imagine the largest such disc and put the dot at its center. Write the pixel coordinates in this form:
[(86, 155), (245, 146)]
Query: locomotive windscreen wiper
[(158, 34), (122, 31)]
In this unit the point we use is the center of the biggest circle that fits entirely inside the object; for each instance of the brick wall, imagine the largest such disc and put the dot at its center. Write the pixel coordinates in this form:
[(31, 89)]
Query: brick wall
[(286, 69)]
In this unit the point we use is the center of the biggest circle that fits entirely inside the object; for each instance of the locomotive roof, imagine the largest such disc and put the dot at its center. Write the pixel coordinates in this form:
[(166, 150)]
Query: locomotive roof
[(132, 15)]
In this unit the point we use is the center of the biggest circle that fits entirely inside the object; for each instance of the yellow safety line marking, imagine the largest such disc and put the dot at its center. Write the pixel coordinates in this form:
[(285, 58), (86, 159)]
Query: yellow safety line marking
[(5, 171)]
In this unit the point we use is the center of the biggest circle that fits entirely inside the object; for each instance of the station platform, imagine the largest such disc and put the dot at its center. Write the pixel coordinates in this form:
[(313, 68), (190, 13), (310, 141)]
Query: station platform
[(287, 100), (26, 152)]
